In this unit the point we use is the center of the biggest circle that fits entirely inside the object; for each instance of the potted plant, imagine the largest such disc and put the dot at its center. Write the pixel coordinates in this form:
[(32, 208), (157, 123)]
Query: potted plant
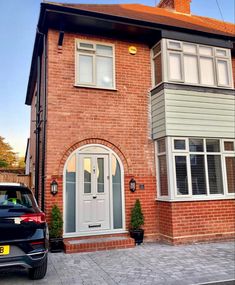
[(137, 220), (55, 230)]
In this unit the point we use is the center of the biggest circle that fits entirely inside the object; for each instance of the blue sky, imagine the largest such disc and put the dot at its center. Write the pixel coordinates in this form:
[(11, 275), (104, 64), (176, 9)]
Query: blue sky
[(18, 20)]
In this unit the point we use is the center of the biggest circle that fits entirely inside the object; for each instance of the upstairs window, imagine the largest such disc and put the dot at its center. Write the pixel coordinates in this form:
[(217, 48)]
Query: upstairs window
[(198, 64), (95, 65), (193, 64)]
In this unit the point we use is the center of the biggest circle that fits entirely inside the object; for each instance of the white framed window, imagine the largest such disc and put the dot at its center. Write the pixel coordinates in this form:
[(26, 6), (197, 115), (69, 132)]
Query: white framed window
[(95, 65), (199, 168), (192, 64), (157, 64)]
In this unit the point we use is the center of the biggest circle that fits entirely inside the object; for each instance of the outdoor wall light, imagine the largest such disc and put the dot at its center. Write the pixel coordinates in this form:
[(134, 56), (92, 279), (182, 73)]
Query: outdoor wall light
[(54, 187), (132, 185)]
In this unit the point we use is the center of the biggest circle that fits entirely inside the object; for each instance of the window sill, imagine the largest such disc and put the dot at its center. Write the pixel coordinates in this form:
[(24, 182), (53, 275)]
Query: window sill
[(94, 87), (195, 199)]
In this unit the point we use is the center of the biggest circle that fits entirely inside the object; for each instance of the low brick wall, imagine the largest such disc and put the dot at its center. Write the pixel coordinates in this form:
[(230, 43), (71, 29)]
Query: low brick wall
[(183, 222)]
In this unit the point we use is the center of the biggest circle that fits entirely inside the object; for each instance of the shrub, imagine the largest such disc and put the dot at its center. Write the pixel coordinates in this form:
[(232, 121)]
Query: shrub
[(137, 217), (56, 224)]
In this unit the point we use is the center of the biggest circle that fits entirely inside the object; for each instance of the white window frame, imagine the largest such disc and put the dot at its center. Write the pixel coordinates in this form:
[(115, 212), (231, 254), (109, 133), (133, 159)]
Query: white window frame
[(166, 50), (92, 52), (172, 184), (153, 56)]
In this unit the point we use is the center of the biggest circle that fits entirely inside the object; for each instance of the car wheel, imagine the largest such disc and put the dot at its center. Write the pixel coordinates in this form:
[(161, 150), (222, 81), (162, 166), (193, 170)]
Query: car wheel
[(38, 272)]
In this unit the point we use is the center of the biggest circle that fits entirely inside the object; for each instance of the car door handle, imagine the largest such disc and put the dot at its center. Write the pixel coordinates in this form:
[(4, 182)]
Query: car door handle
[(94, 197)]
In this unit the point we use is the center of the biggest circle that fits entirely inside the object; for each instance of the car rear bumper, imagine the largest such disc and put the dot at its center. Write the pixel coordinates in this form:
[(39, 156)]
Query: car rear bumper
[(27, 261)]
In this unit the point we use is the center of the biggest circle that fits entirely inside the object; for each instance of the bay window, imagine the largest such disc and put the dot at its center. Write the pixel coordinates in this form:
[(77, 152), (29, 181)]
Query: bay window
[(196, 168), (95, 65), (193, 64)]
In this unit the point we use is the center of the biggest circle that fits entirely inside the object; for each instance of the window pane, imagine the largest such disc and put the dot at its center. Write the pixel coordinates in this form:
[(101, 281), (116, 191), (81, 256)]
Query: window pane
[(222, 69), (175, 71), (161, 145), (230, 169), (179, 144), (104, 71), (198, 174), (85, 69), (163, 175), (157, 69), (190, 48), (181, 175), (220, 52), (100, 175), (117, 194), (87, 175), (228, 146), (86, 45), (207, 71), (205, 50), (191, 69), (174, 45), (70, 195), (212, 145), (196, 145), (157, 49), (104, 50), (215, 174)]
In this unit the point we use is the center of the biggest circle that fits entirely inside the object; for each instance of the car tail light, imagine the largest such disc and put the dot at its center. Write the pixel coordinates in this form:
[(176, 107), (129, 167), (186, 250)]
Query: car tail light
[(37, 218)]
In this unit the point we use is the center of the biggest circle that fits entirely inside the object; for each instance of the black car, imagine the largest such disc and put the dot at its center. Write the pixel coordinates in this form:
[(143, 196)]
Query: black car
[(23, 230)]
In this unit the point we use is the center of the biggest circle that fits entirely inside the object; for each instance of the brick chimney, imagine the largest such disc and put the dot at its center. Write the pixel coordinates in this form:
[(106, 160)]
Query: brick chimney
[(180, 6)]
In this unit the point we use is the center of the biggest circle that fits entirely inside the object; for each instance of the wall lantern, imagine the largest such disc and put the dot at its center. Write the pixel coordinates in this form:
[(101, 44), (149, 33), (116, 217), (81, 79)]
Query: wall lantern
[(132, 185), (54, 187)]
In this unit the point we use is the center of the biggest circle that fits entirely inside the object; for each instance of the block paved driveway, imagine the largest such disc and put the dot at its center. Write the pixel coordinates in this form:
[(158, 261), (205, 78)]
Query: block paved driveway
[(147, 264)]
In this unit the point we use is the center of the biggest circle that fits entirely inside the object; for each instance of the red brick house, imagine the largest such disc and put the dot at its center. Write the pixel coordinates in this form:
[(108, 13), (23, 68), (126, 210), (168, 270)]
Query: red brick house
[(130, 91)]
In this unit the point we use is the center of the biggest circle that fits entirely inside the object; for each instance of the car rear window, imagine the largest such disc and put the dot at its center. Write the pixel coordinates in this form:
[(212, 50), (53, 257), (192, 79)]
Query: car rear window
[(16, 198)]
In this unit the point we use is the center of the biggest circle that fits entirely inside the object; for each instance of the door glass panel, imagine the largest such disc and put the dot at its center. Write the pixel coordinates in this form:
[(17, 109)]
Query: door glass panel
[(117, 194), (87, 175), (181, 175), (215, 174), (100, 175), (230, 169), (198, 174), (70, 195)]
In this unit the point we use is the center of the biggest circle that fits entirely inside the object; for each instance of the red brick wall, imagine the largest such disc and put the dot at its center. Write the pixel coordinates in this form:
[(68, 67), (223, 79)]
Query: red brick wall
[(182, 222), (118, 119)]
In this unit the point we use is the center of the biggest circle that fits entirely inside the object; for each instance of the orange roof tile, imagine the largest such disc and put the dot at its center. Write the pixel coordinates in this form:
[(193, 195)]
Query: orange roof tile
[(158, 16)]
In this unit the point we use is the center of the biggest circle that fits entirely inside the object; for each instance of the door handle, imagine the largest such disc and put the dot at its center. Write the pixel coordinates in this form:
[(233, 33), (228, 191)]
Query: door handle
[(94, 197)]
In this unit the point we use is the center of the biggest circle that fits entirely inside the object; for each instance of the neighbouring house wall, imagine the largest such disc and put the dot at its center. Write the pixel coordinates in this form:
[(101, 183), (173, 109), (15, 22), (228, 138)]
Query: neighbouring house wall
[(190, 113), (183, 222), (118, 119), (32, 148)]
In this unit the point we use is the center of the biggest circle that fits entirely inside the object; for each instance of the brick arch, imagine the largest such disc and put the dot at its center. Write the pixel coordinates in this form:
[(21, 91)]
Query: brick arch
[(84, 142)]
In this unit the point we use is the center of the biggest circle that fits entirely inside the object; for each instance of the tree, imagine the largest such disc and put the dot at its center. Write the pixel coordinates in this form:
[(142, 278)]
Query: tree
[(7, 156)]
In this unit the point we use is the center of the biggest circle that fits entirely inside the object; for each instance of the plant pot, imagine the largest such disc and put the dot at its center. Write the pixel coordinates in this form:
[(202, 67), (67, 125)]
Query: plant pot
[(56, 244), (137, 235)]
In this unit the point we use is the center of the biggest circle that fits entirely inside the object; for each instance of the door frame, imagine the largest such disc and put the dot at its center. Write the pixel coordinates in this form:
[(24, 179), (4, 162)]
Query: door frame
[(110, 152)]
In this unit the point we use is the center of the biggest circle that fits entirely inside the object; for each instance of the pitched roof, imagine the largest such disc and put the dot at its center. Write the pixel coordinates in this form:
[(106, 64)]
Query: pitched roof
[(158, 16)]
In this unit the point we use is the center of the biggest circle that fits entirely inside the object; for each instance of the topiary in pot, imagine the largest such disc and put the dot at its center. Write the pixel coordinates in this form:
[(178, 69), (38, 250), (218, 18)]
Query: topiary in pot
[(56, 230), (137, 220)]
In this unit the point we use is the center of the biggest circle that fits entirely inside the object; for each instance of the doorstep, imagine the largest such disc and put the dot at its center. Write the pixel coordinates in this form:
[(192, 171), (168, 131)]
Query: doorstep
[(88, 244)]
